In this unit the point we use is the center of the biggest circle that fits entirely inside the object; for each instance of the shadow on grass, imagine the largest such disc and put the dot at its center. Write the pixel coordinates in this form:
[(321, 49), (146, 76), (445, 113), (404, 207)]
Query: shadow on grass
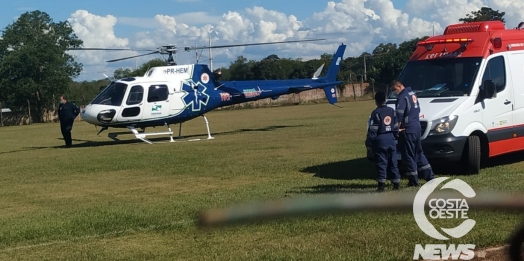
[(363, 168), (79, 143), (355, 169), (360, 168), (363, 172)]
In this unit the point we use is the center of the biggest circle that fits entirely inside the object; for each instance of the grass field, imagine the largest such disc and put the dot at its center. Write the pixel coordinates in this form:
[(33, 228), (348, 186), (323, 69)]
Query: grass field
[(107, 200)]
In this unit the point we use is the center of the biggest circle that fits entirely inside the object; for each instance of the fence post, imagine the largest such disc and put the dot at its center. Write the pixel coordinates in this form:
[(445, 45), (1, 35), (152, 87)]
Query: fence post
[(373, 87), (1, 116), (354, 93), (29, 111), (362, 88)]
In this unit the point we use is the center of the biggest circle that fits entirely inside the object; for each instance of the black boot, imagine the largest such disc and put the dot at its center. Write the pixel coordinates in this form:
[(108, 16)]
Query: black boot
[(381, 186), (396, 186), (413, 182)]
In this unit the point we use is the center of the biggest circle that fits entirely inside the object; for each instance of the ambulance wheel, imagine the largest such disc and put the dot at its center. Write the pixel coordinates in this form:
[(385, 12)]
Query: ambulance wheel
[(473, 155)]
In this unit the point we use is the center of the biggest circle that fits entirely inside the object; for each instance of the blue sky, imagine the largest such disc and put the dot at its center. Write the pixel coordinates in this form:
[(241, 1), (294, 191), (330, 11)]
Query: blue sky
[(361, 24), (60, 10)]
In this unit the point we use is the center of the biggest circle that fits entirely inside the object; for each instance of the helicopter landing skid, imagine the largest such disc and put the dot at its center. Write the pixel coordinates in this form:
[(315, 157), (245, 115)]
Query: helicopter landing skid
[(142, 136), (209, 137)]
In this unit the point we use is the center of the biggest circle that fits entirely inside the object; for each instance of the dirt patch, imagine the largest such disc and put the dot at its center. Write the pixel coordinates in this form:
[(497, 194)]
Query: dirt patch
[(492, 254), (499, 253)]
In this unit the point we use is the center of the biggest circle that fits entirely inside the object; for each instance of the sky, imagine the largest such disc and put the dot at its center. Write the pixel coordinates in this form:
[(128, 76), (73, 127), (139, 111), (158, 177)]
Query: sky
[(360, 24)]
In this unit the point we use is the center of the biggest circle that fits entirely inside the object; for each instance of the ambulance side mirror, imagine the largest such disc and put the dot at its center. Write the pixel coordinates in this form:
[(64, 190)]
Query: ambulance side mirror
[(489, 89)]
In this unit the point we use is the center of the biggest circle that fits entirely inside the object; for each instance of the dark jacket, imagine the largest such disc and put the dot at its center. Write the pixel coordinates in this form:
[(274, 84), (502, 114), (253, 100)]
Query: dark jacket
[(68, 111), (382, 127), (408, 110)]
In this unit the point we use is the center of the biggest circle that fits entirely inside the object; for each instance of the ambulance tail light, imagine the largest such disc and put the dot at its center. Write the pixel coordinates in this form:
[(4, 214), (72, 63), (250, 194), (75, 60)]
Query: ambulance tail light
[(497, 42), (443, 125)]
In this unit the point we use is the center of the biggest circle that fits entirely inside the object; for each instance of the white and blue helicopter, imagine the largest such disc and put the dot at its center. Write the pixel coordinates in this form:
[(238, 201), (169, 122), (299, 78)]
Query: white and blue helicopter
[(174, 94)]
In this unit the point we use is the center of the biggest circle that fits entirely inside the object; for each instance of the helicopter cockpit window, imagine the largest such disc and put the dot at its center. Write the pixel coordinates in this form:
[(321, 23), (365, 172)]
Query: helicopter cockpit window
[(112, 94), (136, 95), (157, 93)]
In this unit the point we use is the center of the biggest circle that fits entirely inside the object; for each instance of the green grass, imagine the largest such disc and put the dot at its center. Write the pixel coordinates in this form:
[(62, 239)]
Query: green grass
[(106, 200)]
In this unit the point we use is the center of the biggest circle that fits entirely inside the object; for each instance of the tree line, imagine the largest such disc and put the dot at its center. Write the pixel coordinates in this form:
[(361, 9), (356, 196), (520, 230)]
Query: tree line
[(35, 68)]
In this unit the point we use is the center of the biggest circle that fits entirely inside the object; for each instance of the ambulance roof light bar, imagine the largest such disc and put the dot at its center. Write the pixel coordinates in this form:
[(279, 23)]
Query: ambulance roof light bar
[(430, 43)]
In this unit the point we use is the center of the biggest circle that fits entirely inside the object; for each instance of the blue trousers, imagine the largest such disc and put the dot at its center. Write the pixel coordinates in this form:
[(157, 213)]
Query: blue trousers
[(417, 165), (386, 160), (65, 127)]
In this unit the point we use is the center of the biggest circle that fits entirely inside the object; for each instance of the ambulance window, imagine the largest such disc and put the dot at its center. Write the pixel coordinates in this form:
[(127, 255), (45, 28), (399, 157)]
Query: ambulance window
[(496, 71), (136, 95), (157, 93)]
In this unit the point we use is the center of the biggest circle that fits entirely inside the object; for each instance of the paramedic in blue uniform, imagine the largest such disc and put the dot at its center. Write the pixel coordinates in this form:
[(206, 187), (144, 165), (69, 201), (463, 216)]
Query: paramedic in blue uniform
[(408, 110), (67, 112), (381, 136)]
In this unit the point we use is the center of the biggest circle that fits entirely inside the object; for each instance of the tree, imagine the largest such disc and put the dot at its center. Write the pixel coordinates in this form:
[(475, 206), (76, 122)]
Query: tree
[(122, 73), (484, 14), (34, 66), (241, 69)]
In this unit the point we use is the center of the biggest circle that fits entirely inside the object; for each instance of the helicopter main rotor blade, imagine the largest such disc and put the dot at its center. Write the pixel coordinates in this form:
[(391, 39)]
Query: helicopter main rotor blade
[(236, 45), (99, 49), (132, 56)]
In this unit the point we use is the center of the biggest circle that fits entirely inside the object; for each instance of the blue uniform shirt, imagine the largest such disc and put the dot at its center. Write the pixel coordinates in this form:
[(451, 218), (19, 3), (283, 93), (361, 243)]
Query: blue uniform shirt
[(408, 110), (68, 111), (383, 126)]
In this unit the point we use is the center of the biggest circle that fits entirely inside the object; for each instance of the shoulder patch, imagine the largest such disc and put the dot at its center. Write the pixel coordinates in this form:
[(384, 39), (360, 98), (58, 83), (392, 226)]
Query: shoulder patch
[(414, 98), (387, 120)]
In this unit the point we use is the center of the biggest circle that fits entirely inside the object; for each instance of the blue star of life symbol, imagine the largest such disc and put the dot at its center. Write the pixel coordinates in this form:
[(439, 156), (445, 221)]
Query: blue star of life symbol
[(198, 97)]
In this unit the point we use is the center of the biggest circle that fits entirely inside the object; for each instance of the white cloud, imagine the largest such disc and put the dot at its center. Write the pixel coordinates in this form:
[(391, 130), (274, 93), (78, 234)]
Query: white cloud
[(361, 24)]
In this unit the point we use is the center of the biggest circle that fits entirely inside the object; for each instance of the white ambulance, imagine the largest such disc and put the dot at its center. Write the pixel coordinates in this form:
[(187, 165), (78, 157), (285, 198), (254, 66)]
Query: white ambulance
[(470, 86)]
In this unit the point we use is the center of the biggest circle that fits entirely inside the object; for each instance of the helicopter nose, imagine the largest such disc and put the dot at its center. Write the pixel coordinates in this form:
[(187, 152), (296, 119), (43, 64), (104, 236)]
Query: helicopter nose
[(98, 115)]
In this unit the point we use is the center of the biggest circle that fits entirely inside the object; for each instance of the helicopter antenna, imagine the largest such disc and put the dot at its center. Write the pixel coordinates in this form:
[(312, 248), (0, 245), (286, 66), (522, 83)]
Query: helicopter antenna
[(196, 54), (210, 55)]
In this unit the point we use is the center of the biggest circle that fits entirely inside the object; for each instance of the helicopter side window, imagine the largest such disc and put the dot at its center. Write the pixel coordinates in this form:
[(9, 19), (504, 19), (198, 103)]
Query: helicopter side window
[(157, 93), (136, 95)]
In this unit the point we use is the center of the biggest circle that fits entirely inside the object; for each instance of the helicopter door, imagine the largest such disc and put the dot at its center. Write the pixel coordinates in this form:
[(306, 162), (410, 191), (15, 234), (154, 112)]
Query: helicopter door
[(132, 108), (157, 104)]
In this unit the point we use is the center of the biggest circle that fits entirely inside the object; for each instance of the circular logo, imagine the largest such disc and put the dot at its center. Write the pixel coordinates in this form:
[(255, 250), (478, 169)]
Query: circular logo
[(387, 120), (332, 90), (443, 208), (204, 78), (414, 98)]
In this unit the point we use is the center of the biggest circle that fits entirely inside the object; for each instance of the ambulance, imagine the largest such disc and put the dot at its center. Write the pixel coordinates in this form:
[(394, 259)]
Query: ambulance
[(470, 86)]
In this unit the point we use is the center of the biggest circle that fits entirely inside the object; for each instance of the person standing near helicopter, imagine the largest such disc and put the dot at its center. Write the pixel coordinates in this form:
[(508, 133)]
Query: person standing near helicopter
[(67, 112)]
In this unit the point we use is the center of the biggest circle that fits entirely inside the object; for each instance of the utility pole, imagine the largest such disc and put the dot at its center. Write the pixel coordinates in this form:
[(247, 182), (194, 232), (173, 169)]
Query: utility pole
[(365, 72), (365, 67)]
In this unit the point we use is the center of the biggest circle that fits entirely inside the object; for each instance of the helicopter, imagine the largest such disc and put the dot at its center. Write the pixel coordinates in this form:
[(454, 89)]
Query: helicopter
[(174, 94)]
